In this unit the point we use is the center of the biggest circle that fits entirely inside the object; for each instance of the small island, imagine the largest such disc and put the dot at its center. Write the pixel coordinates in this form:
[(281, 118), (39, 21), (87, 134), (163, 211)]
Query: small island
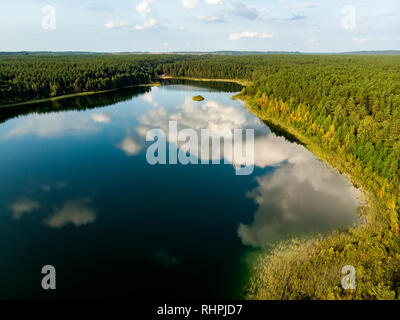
[(198, 98)]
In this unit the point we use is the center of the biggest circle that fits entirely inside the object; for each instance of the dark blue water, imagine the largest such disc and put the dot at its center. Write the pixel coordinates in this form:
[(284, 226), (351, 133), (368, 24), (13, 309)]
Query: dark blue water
[(76, 192)]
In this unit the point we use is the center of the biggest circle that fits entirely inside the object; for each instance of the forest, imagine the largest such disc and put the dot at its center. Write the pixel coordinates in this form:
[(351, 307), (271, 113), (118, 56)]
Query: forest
[(77, 103), (344, 108), (31, 77), (354, 101)]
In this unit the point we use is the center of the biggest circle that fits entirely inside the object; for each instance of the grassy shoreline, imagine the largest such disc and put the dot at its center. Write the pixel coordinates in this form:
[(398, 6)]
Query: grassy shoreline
[(331, 162), (298, 264), (73, 95)]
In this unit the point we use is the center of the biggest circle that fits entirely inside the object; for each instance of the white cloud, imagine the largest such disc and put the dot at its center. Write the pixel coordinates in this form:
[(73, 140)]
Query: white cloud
[(214, 2), (362, 40), (190, 4), (305, 6), (248, 34), (76, 212), (151, 23), (298, 7), (313, 42), (143, 8), (116, 24), (130, 146), (209, 19), (242, 10), (23, 206)]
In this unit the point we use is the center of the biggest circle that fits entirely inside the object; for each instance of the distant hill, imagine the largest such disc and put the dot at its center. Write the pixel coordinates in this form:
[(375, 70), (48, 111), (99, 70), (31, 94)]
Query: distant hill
[(385, 52), (230, 53), (238, 53), (27, 53), (55, 53)]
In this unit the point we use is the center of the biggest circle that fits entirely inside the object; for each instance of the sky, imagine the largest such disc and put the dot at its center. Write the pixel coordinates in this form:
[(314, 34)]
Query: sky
[(199, 25)]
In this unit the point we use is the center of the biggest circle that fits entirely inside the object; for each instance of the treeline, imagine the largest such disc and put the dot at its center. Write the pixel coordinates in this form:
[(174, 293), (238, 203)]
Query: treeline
[(24, 78), (215, 67), (346, 109), (209, 86), (80, 102)]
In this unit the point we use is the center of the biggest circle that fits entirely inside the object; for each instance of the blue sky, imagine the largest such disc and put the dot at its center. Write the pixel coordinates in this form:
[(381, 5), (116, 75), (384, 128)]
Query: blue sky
[(200, 25)]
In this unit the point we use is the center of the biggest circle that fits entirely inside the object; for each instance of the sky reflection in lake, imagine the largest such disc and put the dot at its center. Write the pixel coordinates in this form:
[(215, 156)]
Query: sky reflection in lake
[(78, 193), (299, 196)]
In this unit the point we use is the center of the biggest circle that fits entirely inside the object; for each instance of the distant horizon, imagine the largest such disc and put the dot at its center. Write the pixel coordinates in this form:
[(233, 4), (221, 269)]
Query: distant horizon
[(308, 26), (222, 52)]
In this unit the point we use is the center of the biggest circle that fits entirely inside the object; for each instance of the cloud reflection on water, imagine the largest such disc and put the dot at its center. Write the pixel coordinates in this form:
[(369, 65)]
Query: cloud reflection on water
[(301, 195), (76, 212), (23, 206), (149, 97), (218, 118), (56, 124), (101, 118), (130, 146)]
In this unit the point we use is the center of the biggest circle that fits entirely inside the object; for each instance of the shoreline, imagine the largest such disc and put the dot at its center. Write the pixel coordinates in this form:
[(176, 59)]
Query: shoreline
[(369, 214), (365, 199), (314, 253), (73, 95), (89, 93)]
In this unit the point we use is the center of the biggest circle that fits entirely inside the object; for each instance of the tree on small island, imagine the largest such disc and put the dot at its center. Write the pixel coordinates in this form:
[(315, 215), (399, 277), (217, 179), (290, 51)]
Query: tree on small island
[(198, 98)]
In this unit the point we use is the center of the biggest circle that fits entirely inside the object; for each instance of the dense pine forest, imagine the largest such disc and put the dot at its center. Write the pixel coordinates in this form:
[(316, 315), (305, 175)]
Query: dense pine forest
[(354, 101), (24, 78), (344, 108)]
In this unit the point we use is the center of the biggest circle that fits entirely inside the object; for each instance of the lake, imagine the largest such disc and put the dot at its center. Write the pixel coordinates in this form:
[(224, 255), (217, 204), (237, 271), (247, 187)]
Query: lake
[(78, 193)]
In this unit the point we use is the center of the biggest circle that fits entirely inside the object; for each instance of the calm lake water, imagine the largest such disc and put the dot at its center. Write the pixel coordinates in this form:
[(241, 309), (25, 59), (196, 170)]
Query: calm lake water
[(77, 193)]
